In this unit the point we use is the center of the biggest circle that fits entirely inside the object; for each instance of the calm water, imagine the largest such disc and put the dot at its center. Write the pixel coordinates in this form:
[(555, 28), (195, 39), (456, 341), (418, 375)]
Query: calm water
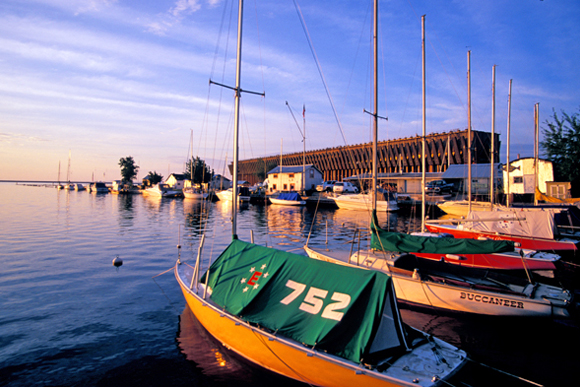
[(69, 318)]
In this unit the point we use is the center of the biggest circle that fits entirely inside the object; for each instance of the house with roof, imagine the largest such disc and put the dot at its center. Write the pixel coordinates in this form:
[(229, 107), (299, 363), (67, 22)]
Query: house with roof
[(176, 180), (294, 178)]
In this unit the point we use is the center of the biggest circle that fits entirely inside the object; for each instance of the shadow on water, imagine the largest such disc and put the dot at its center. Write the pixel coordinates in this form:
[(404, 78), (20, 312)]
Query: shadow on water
[(216, 363), (533, 349)]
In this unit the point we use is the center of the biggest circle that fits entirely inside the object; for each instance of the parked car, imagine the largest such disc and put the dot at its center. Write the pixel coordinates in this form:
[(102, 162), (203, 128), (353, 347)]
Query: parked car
[(344, 187), (326, 186), (438, 187)]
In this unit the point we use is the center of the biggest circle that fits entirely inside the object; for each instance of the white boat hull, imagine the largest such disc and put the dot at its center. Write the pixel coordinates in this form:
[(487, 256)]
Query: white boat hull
[(282, 202), (544, 301), (194, 195), (362, 202)]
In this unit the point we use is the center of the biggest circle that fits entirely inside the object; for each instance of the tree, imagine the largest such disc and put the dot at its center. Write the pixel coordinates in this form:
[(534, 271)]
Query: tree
[(128, 168), (201, 171), (562, 147), (154, 178)]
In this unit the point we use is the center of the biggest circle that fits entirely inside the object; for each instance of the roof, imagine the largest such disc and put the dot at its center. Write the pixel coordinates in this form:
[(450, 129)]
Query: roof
[(478, 171), (177, 176), (292, 169)]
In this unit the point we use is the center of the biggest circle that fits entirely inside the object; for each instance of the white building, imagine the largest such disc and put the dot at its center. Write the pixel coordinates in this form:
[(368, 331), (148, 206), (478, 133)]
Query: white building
[(289, 178), (522, 176), (176, 180)]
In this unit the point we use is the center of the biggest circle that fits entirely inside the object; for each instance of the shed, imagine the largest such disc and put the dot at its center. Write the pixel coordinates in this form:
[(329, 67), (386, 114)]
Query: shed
[(480, 174)]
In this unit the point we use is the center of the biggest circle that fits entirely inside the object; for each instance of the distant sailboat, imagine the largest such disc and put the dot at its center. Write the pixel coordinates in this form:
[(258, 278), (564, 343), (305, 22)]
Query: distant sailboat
[(59, 186), (68, 186)]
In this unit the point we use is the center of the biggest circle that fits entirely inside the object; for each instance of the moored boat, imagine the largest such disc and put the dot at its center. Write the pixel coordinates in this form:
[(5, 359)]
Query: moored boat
[(287, 199), (298, 317), (386, 201), (441, 285), (162, 190), (533, 229)]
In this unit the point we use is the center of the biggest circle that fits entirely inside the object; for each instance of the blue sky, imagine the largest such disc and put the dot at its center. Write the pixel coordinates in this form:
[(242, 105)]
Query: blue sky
[(106, 79)]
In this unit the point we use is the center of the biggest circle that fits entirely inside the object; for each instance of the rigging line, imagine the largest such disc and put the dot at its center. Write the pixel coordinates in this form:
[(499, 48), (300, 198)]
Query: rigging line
[(217, 124), (262, 75), (305, 29)]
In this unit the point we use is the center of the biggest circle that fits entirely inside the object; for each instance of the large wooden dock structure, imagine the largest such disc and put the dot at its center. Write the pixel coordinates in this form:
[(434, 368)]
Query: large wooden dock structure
[(401, 155)]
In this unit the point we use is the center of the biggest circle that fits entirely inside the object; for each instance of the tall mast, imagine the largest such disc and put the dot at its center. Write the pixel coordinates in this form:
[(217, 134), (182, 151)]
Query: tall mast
[(376, 102), (237, 123), (303, 148), (536, 148), (491, 178), (423, 172), (469, 130), (509, 117)]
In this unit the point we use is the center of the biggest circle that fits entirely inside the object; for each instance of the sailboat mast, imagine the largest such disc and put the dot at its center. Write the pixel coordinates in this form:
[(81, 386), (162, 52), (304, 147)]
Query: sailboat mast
[(237, 123), (509, 118), (492, 157), (536, 148), (423, 172), (469, 130), (376, 102)]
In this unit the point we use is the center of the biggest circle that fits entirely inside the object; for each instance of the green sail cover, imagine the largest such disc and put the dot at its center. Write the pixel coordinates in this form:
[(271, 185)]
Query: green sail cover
[(333, 307), (404, 243)]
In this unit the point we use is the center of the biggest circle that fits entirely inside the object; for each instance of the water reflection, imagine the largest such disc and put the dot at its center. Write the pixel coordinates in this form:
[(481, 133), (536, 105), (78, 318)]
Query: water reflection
[(221, 366)]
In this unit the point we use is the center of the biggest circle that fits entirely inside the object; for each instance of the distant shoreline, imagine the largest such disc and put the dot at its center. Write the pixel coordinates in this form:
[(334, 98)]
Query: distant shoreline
[(48, 182)]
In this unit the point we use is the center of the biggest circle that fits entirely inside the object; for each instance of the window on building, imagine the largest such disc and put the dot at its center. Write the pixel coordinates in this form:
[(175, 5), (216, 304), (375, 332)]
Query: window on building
[(285, 187), (275, 176), (312, 172), (291, 175), (274, 186), (291, 187), (518, 179)]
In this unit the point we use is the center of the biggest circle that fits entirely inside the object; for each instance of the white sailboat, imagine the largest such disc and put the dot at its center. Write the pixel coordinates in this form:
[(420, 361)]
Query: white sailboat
[(298, 317), (193, 192), (68, 186)]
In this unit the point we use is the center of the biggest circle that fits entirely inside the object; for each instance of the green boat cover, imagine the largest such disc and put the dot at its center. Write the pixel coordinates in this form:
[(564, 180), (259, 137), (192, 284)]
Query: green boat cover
[(404, 243), (346, 311)]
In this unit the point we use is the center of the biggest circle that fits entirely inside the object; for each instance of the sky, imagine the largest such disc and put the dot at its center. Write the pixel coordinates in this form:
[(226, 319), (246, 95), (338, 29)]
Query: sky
[(104, 79)]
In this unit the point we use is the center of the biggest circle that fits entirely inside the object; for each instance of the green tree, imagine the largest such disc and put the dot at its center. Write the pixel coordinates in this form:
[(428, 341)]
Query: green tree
[(562, 147), (128, 168), (201, 171), (154, 178)]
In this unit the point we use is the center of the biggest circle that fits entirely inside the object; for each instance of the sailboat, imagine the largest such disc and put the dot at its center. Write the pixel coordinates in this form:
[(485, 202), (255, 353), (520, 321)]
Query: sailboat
[(299, 318), (192, 192), (68, 186), (58, 185), (446, 285)]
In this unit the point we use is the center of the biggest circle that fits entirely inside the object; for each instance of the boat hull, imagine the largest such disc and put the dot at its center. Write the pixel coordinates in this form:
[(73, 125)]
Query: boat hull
[(492, 261), (539, 244), (461, 207), (362, 202), (282, 202), (194, 195), (411, 288), (305, 364)]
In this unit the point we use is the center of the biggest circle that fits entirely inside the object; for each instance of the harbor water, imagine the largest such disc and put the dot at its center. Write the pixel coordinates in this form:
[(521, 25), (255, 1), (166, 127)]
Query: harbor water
[(68, 317)]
